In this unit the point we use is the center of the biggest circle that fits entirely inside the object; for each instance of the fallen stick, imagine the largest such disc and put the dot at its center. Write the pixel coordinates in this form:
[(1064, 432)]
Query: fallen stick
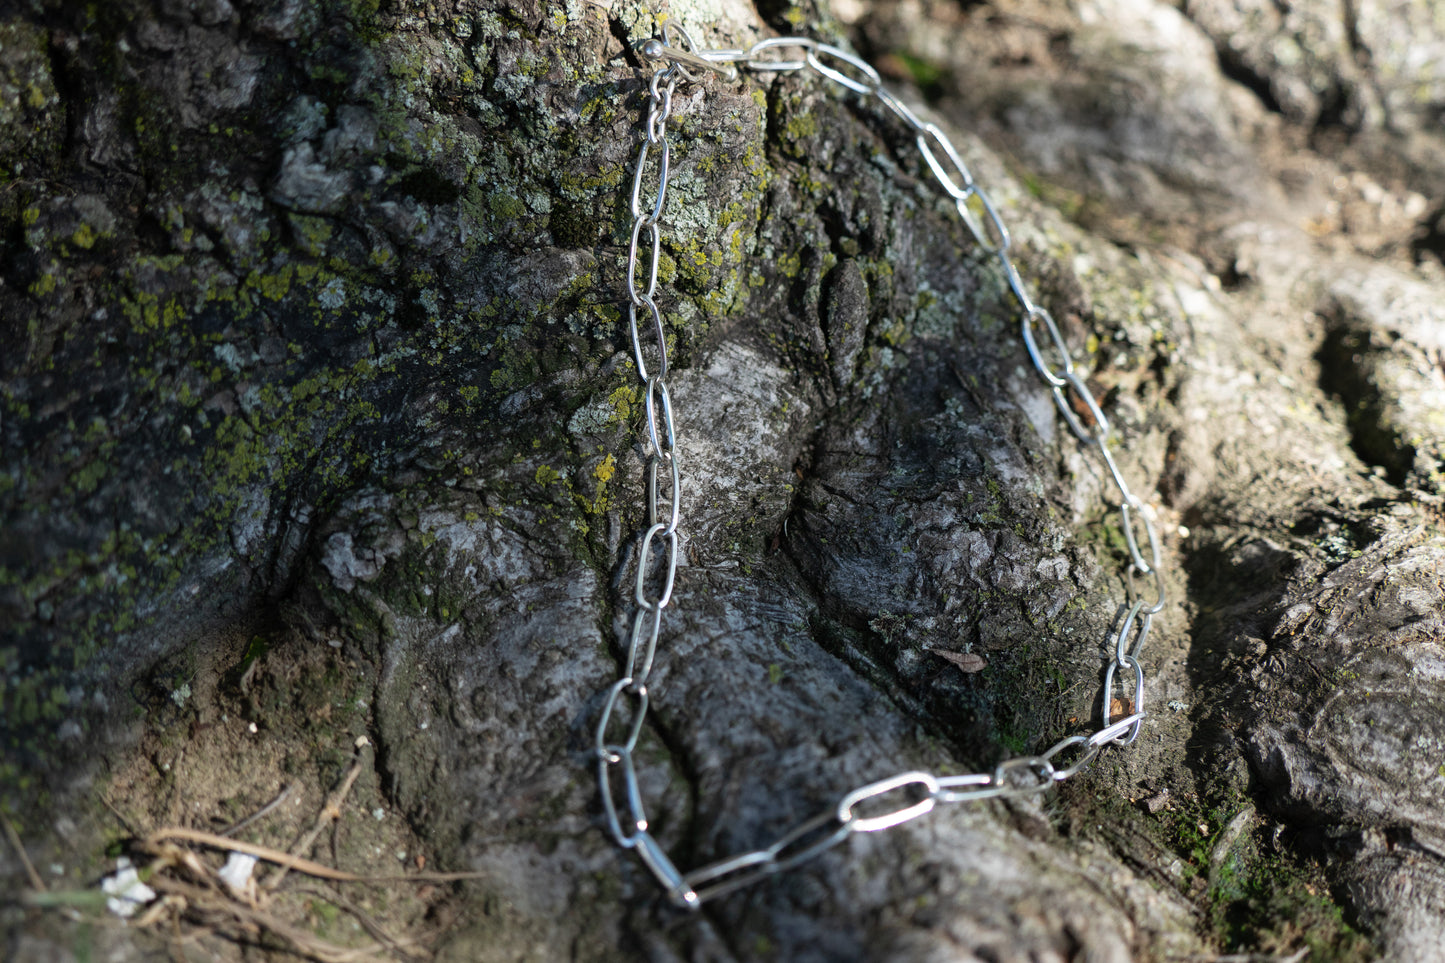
[(400, 947), (200, 900), (152, 844), (330, 812), (35, 881), (242, 824)]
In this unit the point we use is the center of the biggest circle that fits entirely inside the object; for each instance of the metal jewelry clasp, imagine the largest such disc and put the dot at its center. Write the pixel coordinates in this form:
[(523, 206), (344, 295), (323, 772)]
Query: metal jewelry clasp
[(657, 50), (718, 61)]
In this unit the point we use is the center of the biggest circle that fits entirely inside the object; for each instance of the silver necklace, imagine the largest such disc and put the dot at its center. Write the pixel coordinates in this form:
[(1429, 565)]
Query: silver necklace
[(897, 799)]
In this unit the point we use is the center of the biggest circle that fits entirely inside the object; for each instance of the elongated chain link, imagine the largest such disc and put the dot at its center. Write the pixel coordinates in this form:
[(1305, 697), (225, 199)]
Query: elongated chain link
[(897, 799)]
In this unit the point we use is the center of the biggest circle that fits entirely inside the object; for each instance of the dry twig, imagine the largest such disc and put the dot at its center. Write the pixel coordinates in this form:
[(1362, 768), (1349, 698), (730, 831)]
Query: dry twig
[(35, 881), (367, 923), (236, 827), (125, 824), (152, 844), (250, 920), (330, 812)]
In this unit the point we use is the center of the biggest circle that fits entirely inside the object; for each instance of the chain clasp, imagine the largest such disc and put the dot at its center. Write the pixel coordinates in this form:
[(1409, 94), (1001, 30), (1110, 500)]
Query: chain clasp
[(718, 61)]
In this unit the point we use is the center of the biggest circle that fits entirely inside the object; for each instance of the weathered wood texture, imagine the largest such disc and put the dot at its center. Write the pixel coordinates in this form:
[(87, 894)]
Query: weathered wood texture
[(313, 361)]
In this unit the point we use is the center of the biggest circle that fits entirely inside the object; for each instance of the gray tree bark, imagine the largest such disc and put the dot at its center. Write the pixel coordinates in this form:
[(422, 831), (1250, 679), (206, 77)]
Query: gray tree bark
[(320, 421)]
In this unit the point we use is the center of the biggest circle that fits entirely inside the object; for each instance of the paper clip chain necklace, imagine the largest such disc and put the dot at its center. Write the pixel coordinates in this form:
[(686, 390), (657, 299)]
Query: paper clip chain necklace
[(897, 799)]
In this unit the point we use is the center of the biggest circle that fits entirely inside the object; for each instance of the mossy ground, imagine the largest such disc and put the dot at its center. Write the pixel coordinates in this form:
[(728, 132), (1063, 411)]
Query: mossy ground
[(1257, 887)]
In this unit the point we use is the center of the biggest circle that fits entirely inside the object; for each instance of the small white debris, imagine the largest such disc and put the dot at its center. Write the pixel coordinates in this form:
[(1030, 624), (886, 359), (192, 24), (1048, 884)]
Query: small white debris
[(1183, 531), (180, 694), (1176, 706), (125, 890), (236, 874), (378, 814), (252, 728)]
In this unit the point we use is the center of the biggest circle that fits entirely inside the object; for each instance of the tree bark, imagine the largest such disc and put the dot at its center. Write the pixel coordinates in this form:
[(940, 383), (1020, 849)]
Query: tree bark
[(321, 420)]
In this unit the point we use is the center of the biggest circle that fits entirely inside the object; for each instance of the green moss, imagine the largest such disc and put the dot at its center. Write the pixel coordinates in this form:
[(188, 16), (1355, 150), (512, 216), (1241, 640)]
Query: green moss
[(312, 233), (1106, 534), (1253, 898), (926, 75), (31, 115), (800, 126), (587, 186), (1272, 904), (88, 478), (272, 287), (622, 400), (43, 285), (790, 264)]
